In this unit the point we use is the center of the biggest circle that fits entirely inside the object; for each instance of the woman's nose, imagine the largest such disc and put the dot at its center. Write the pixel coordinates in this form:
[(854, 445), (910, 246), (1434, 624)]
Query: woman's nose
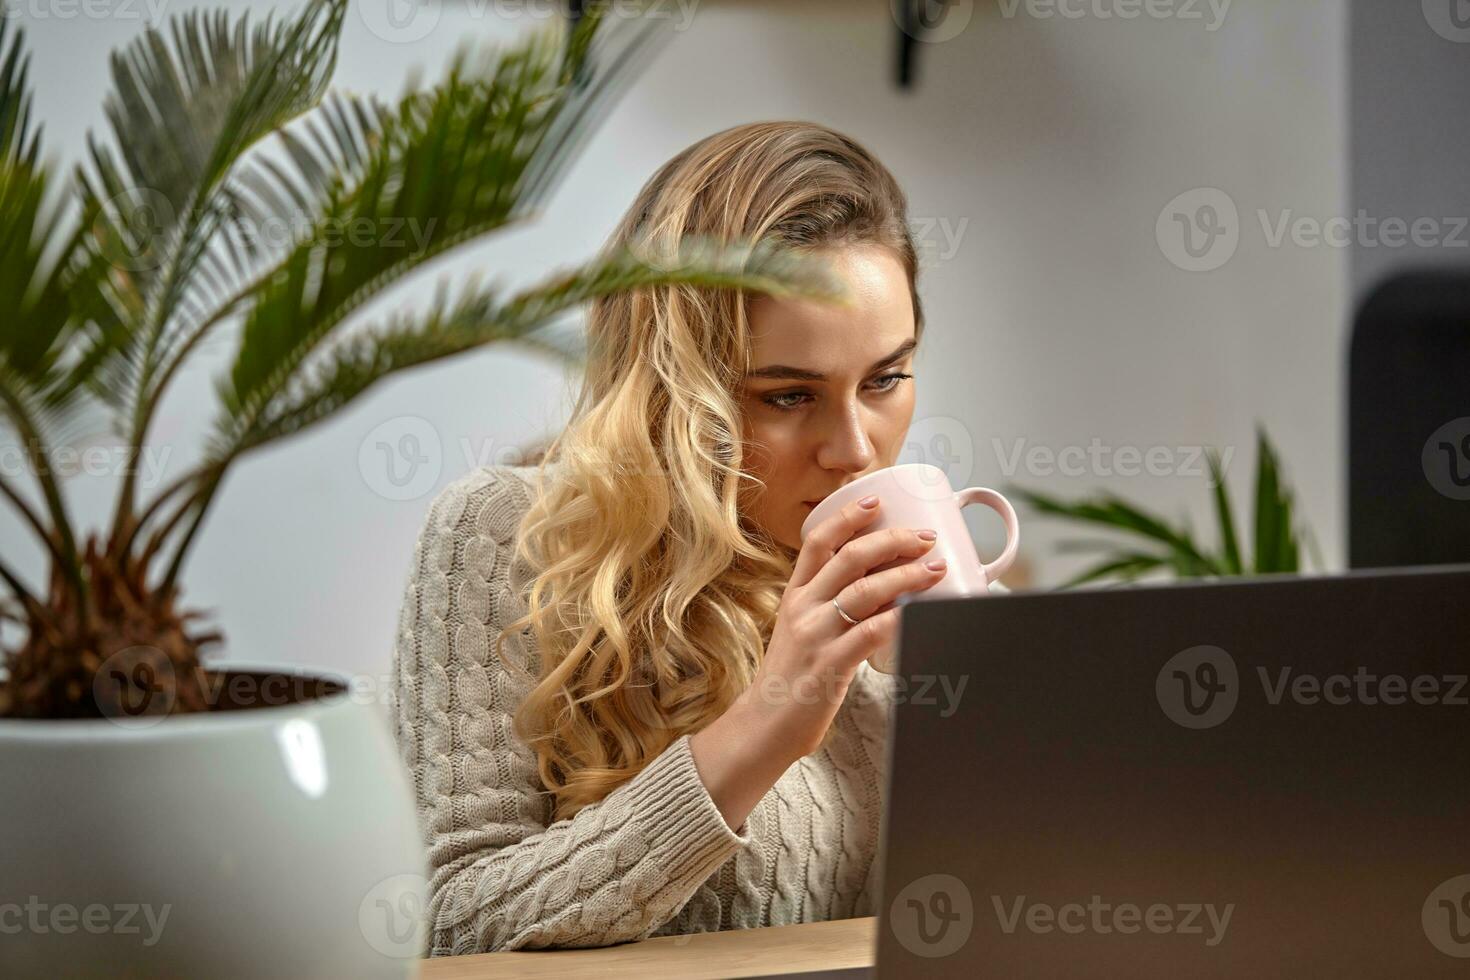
[(847, 446)]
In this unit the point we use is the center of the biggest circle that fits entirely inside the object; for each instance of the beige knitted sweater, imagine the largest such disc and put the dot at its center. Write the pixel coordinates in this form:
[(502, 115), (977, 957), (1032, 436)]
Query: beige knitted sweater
[(655, 857)]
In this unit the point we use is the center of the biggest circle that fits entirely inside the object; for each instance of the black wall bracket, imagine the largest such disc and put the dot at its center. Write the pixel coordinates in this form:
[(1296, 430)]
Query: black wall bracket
[(915, 19)]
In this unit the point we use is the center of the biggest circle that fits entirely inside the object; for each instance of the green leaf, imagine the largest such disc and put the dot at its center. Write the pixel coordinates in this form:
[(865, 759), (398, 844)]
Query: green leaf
[(449, 165), (17, 142), (1277, 549), (1107, 510), (182, 112), (481, 317), (1230, 546), (1125, 565), (41, 290)]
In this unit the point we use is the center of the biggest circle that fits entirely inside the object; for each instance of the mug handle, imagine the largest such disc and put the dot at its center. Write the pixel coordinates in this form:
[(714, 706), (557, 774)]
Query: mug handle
[(1002, 506)]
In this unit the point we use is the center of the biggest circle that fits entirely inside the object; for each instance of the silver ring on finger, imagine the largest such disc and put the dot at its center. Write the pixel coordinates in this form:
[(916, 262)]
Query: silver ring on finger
[(843, 613)]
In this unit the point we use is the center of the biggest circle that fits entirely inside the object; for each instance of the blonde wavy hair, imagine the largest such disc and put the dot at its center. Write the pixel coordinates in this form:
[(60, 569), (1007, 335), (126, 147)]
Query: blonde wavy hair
[(654, 598)]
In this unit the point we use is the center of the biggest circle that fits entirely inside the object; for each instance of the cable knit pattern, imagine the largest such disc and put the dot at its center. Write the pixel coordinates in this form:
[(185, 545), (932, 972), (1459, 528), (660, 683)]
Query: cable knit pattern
[(655, 857)]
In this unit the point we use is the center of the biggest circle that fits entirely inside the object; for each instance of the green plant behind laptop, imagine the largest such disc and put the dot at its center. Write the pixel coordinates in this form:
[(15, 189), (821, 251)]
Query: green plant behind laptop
[(1153, 545)]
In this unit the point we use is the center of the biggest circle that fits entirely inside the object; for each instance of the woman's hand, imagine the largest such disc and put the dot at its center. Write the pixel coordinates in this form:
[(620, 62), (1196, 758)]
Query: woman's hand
[(813, 653)]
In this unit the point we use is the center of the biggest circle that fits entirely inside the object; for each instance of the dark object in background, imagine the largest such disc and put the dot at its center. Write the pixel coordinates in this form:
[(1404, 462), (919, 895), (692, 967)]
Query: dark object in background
[(1409, 423)]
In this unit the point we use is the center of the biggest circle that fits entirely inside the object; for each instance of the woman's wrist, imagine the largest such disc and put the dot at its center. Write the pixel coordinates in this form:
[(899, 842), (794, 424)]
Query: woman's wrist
[(736, 763)]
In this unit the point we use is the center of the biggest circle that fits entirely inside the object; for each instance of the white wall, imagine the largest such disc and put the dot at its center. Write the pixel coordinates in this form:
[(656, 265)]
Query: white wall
[(1049, 145)]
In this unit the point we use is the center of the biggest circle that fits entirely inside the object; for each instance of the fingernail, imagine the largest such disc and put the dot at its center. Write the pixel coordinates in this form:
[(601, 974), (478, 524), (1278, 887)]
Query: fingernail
[(927, 535), (936, 565), (869, 502)]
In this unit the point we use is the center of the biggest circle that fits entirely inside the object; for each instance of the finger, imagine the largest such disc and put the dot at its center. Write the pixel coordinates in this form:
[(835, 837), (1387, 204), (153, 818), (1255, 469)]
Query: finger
[(873, 593), (861, 555), (827, 538), (875, 633)]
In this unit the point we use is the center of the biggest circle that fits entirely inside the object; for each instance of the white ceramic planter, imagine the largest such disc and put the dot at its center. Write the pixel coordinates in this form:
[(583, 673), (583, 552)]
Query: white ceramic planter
[(275, 841)]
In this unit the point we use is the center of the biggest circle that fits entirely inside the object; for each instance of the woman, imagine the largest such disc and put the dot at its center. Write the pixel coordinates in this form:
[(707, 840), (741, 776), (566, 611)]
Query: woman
[(632, 700)]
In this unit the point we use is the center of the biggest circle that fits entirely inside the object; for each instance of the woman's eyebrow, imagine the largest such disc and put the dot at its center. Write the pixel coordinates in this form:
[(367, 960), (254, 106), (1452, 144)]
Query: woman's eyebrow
[(801, 374)]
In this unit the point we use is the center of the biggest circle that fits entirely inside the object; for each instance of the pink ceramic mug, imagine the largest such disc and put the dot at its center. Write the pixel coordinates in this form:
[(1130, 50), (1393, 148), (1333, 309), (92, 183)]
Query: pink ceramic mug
[(918, 495)]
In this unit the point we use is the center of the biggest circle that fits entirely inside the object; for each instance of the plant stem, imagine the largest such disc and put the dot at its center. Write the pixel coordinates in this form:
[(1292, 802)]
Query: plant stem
[(193, 476), (204, 498), (51, 490), (21, 592), (143, 403), (157, 539), (33, 519)]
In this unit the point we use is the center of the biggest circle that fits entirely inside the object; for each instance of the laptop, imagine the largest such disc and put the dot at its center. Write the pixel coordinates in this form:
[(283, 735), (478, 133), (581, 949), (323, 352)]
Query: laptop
[(1247, 778)]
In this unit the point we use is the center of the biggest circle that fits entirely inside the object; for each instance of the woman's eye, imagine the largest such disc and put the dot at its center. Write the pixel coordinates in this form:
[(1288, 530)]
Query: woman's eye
[(784, 401), (780, 401), (895, 378)]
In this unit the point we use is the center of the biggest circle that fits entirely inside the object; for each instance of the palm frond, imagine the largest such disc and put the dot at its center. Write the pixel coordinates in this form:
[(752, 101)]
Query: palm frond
[(1125, 565), (1275, 533), (1107, 510), (446, 167), (482, 317), (35, 312), (1224, 516), (1276, 544), (17, 142), (182, 113), (183, 110)]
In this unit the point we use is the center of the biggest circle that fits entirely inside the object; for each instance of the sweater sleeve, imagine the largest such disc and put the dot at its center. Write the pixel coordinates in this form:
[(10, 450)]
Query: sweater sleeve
[(503, 876)]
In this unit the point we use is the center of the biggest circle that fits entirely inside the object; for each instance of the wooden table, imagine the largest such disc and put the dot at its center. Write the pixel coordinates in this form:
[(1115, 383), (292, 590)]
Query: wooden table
[(842, 944)]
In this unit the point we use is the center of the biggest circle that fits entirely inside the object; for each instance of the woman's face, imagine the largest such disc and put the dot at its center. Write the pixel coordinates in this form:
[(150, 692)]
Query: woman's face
[(830, 395)]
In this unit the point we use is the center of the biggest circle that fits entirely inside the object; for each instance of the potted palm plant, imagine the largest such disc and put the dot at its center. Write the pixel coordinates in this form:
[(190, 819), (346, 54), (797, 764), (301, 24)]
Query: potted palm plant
[(162, 817), (1149, 543)]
